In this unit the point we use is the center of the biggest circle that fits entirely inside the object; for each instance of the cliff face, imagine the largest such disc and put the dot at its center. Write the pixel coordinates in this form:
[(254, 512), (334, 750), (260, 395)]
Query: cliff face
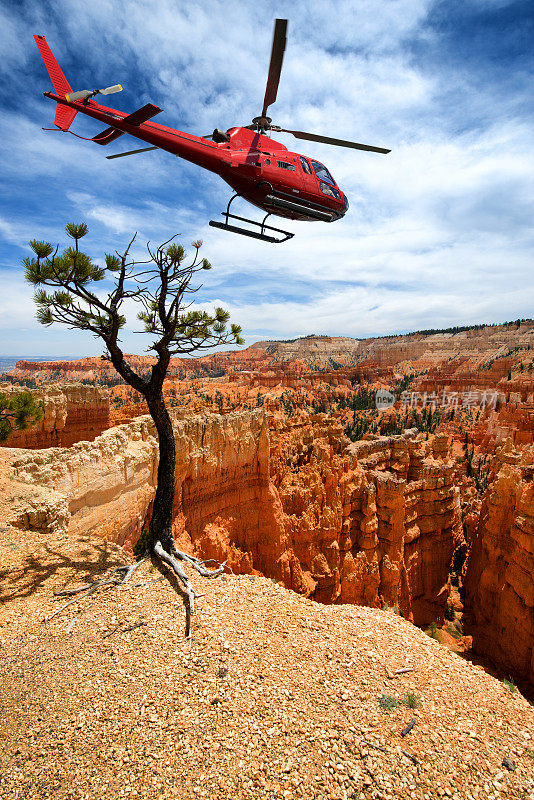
[(476, 357), (372, 523), (377, 521), (499, 579), (106, 484), (72, 413), (225, 505), (223, 495), (477, 345)]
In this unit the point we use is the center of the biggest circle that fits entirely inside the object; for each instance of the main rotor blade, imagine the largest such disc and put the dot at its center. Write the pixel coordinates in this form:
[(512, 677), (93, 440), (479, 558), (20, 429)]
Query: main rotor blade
[(133, 152), (275, 67), (313, 137)]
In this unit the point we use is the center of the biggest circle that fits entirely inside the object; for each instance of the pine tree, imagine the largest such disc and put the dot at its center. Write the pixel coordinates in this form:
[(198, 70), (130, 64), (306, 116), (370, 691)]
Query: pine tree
[(66, 293), (18, 411)]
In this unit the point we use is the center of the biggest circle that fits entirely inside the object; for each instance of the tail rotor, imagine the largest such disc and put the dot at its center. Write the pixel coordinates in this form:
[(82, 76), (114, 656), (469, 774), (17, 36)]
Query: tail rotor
[(85, 94), (65, 114)]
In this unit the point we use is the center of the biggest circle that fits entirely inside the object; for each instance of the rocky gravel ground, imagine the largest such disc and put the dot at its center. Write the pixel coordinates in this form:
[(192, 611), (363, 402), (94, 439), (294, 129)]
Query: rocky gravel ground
[(276, 697)]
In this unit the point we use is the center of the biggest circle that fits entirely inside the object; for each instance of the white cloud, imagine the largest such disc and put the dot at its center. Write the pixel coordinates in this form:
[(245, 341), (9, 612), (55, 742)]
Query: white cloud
[(438, 230)]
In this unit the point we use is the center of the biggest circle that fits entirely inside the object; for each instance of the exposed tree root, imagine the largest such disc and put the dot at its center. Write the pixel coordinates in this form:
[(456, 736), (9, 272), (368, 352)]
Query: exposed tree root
[(119, 577), (172, 560), (147, 583)]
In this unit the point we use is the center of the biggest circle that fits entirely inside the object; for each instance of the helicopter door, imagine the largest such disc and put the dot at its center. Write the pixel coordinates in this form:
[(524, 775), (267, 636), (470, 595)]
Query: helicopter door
[(308, 177), (268, 168), (281, 171)]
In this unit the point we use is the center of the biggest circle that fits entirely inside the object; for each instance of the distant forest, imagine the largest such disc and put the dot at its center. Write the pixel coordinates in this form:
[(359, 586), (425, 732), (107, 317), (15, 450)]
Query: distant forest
[(426, 332), (459, 328)]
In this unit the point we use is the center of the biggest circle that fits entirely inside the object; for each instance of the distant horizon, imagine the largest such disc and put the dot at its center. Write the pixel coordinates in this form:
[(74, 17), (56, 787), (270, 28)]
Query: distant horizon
[(256, 339)]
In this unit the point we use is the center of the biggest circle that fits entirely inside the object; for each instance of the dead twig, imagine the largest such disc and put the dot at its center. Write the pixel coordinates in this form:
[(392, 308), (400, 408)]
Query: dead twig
[(89, 591), (134, 626), (375, 746), (405, 731), (412, 758), (70, 592), (125, 630)]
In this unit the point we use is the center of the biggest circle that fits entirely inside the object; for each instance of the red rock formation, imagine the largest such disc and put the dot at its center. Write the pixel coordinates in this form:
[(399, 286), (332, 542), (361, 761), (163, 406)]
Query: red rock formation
[(375, 522), (225, 506), (72, 413), (106, 484), (222, 484), (470, 358), (499, 578), (514, 421), (369, 524)]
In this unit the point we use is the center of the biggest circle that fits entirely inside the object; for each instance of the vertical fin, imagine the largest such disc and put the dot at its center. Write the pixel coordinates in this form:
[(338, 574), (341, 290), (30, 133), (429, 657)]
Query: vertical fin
[(64, 117), (64, 114)]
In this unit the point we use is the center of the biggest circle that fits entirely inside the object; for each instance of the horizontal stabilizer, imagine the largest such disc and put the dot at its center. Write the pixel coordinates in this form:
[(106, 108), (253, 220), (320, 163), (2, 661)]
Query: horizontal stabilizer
[(107, 136), (135, 118), (142, 114)]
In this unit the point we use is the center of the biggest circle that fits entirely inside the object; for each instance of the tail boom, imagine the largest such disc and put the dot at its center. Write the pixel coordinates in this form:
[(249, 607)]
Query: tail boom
[(192, 148)]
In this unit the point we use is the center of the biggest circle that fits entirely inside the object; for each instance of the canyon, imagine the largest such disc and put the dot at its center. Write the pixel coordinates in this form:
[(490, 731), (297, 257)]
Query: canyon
[(371, 523), (488, 349), (286, 469), (499, 580)]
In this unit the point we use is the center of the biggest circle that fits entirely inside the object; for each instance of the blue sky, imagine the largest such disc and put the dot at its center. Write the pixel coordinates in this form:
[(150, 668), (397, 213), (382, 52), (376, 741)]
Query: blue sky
[(439, 231)]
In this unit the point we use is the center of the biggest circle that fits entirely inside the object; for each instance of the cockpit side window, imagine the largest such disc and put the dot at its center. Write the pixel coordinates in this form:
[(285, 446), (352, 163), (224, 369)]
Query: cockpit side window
[(322, 173), (305, 165)]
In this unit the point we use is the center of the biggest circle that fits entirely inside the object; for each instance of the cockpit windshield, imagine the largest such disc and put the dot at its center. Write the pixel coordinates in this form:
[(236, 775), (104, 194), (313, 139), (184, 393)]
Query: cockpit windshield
[(322, 172)]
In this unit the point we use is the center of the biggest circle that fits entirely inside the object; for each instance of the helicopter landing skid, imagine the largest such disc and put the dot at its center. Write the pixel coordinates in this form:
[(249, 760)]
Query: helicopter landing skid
[(225, 226)]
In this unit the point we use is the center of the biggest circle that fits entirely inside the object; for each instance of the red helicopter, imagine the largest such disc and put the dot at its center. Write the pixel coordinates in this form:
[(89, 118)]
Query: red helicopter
[(259, 169)]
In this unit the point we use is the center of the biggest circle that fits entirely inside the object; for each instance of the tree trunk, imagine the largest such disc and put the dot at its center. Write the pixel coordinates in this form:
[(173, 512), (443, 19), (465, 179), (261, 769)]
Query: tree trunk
[(160, 538), (161, 522)]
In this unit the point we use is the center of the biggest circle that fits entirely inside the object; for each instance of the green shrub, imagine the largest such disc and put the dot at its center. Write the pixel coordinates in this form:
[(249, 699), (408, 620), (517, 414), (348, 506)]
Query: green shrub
[(141, 545), (387, 701), (411, 700), (510, 685), (433, 632)]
